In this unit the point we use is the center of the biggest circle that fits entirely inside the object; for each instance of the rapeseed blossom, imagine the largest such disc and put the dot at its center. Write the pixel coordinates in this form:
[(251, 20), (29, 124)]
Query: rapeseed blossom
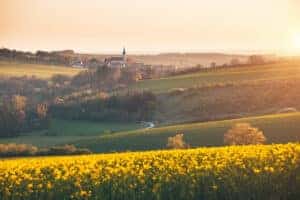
[(241, 172)]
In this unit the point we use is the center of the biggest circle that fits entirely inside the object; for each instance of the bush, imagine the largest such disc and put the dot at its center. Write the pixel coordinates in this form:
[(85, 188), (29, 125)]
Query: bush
[(244, 134), (176, 142), (64, 150), (15, 150), (10, 150)]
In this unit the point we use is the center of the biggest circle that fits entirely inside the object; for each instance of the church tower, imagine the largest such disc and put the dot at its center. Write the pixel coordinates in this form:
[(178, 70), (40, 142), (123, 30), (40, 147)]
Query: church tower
[(124, 54), (124, 57)]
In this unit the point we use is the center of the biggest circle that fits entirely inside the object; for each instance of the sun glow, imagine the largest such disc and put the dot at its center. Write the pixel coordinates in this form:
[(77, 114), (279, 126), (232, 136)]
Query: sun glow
[(296, 41)]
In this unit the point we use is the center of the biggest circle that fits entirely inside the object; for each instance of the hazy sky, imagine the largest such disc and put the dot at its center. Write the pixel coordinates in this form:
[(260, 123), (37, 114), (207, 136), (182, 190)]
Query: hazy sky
[(149, 25)]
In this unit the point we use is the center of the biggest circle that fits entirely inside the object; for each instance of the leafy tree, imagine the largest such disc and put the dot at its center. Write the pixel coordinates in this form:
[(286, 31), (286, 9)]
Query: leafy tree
[(213, 65), (130, 75), (235, 62), (176, 142), (19, 102), (41, 110), (244, 134), (60, 79), (9, 123)]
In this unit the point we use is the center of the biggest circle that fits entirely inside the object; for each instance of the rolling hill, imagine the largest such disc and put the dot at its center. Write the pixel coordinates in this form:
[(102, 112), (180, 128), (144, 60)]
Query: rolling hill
[(13, 69), (212, 96), (287, 70), (67, 132), (279, 128)]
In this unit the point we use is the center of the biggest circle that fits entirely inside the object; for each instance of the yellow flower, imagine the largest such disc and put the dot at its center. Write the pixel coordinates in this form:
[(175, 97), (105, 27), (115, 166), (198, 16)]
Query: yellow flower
[(214, 187), (154, 171), (29, 186), (49, 185)]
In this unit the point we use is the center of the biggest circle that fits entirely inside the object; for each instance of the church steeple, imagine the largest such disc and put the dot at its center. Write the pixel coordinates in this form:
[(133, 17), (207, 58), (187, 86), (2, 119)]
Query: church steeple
[(124, 57)]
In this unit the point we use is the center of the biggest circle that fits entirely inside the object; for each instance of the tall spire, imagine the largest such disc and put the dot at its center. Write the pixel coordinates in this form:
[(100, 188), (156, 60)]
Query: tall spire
[(124, 58)]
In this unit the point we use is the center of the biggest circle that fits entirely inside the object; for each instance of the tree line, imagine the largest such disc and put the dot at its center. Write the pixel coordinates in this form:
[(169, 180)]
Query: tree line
[(65, 57), (135, 106), (16, 117)]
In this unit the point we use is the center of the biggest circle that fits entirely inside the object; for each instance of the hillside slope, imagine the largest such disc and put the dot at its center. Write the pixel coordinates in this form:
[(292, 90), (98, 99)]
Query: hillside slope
[(9, 69), (236, 75), (279, 128)]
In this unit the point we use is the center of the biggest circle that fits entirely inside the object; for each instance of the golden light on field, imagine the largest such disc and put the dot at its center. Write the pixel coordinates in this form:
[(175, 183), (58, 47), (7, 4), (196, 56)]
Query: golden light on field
[(154, 174)]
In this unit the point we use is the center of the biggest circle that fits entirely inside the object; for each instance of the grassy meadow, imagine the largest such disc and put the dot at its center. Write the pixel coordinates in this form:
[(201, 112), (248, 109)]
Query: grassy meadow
[(13, 69), (67, 132), (279, 128), (111, 137), (289, 70)]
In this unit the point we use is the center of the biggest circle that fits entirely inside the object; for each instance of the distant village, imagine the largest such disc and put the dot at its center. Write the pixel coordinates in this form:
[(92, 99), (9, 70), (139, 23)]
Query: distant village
[(72, 59), (121, 61)]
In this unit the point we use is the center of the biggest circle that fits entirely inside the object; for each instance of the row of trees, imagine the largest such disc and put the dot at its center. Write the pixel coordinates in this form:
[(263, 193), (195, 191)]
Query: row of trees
[(136, 106), (234, 62), (105, 78), (65, 57), (252, 60), (59, 58), (13, 150)]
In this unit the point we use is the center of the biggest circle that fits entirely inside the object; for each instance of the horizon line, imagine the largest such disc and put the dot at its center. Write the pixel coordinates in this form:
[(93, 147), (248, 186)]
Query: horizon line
[(158, 52)]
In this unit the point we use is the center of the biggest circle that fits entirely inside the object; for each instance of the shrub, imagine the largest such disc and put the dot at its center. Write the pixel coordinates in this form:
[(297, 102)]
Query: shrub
[(9, 150), (14, 150), (244, 134), (63, 150), (176, 142)]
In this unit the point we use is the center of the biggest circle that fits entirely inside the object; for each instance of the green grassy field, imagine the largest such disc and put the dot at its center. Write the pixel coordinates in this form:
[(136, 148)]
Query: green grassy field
[(86, 128), (9, 69), (279, 128), (66, 132), (240, 74)]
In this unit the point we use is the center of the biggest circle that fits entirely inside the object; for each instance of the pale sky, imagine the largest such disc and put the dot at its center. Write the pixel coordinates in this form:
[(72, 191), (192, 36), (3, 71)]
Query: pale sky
[(102, 26)]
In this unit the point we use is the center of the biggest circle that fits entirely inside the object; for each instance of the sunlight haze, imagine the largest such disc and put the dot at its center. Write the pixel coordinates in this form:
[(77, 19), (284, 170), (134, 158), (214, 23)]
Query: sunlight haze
[(144, 26)]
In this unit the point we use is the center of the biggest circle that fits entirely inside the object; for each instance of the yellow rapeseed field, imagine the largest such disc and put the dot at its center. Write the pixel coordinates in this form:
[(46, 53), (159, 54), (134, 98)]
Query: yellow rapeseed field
[(245, 172)]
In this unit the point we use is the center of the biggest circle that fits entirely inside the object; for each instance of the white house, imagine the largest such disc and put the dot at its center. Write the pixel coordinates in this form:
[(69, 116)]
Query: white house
[(78, 64)]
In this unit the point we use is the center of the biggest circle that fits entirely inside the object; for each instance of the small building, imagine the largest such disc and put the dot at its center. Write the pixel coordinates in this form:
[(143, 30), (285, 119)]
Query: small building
[(117, 61), (78, 64)]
